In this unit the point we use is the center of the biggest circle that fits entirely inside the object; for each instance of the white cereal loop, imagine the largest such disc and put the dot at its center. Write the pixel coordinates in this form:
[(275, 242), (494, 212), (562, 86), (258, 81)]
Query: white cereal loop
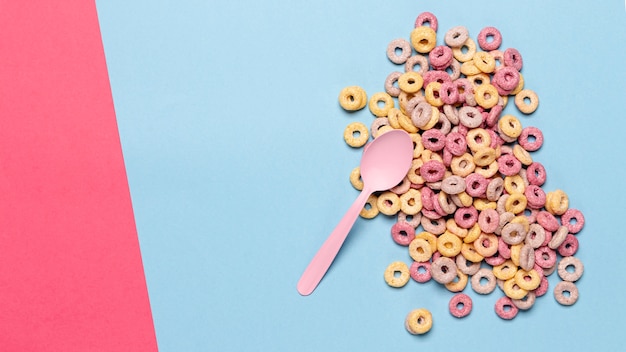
[(456, 36), (570, 276), (401, 45)]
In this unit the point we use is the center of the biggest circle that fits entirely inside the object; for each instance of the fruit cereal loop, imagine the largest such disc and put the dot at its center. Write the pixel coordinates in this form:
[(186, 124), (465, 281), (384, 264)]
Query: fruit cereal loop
[(512, 290), (356, 134), (486, 244), (477, 139), (468, 55), (476, 185), (433, 171), (411, 219), (504, 249), (545, 257), (508, 165), (430, 238), (484, 62), (522, 105), (547, 221), (420, 60), (453, 184), (535, 236), (435, 226), (402, 233), (420, 271), (456, 36), (418, 321), (410, 82), (355, 178), (468, 261), (573, 219), (405, 51), (433, 140), (420, 250), (477, 278), (402, 187), (488, 220), (352, 98), (557, 202), (535, 196), (380, 97), (495, 260), (543, 287), (505, 271), (513, 58), (569, 247), (446, 203), (506, 78), (427, 17), (378, 126), (505, 308), (470, 117), (510, 126), (388, 203), (423, 39), (558, 237), (431, 93), (440, 57), (466, 217), (570, 276), (422, 114), (494, 189), (525, 303), (513, 233), (449, 245), (485, 34), (370, 210), (527, 280), (397, 281), (448, 93), (559, 293), (465, 303), (411, 202), (536, 174), (459, 283), (391, 82), (462, 165), (456, 143), (443, 270)]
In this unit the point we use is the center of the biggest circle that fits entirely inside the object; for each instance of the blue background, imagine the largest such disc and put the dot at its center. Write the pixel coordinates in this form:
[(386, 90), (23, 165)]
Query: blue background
[(232, 138)]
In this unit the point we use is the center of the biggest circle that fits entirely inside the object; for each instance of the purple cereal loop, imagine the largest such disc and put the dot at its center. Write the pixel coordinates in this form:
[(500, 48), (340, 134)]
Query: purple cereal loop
[(476, 185), (427, 17), (566, 286), (478, 287), (525, 303), (513, 58), (413, 220), (390, 82), (505, 308), (419, 275), (573, 219), (421, 114), (454, 70), (456, 36), (527, 257), (402, 233), (412, 103), (493, 116), (405, 51), (558, 237), (545, 257), (547, 221), (513, 233), (456, 143), (543, 287), (440, 57), (495, 260), (433, 171), (569, 247), (503, 249), (536, 174), (448, 93), (464, 301), (417, 59), (495, 189), (466, 217), (535, 196), (443, 270), (465, 266), (524, 138), (453, 184), (535, 236), (470, 117), (509, 165), (486, 32), (488, 220), (433, 140)]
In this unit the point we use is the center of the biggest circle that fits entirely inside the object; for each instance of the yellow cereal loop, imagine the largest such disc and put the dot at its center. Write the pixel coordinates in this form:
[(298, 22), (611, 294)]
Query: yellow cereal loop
[(431, 93), (393, 116), (484, 62), (420, 250), (418, 147), (411, 202), (352, 98), (466, 51), (473, 234), (478, 79), (513, 290), (370, 210), (388, 203), (516, 203), (355, 178), (478, 138), (527, 280), (522, 220), (453, 227), (423, 39), (414, 172), (487, 171), (356, 134), (433, 120), (510, 126), (526, 101), (410, 82), (448, 244), (406, 123), (465, 199), (430, 238), (484, 156), (481, 204), (428, 155), (486, 95), (505, 271), (419, 321), (397, 274), (522, 155), (519, 87), (382, 130), (459, 283), (515, 251), (557, 202), (514, 184), (469, 252), (469, 69), (381, 98), (462, 165)]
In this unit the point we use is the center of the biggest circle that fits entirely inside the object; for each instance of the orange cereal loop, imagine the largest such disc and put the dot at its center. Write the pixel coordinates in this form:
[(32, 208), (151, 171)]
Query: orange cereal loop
[(469, 69), (397, 274), (486, 95), (510, 126), (375, 104), (557, 202), (462, 165), (414, 172), (486, 244), (459, 283), (465, 199), (484, 156), (352, 98), (423, 39), (418, 321), (388, 203), (484, 62), (454, 228), (355, 178), (431, 93), (370, 209), (516, 249), (526, 101), (418, 147), (411, 202), (410, 82), (465, 52), (448, 244), (482, 203), (356, 134)]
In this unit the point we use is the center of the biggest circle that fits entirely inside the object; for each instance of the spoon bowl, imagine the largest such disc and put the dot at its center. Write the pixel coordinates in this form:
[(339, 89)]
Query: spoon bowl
[(384, 163)]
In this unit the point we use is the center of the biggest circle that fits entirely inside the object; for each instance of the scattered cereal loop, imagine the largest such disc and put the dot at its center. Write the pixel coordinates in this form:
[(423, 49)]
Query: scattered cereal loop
[(352, 98)]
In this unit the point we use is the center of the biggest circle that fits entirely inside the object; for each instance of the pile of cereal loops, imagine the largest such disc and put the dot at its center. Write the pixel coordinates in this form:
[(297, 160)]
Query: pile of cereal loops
[(471, 208)]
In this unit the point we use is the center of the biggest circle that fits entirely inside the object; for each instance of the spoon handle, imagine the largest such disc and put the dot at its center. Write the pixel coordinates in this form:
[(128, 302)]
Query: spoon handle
[(327, 253)]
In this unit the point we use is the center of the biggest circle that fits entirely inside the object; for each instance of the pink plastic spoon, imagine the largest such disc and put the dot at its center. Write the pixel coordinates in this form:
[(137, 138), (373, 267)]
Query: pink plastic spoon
[(384, 163)]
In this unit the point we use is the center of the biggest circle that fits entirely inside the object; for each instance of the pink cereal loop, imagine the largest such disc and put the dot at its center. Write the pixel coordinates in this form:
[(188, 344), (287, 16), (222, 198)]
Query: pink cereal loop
[(543, 287), (487, 32), (508, 165), (466, 305), (513, 58), (536, 174), (576, 215), (433, 171), (435, 76), (476, 185), (427, 17), (495, 260), (548, 221), (420, 271), (433, 140), (402, 233), (466, 217), (505, 308), (456, 143), (488, 220), (545, 257), (527, 134), (503, 249), (569, 247), (535, 196), (448, 93), (427, 198), (440, 57)]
